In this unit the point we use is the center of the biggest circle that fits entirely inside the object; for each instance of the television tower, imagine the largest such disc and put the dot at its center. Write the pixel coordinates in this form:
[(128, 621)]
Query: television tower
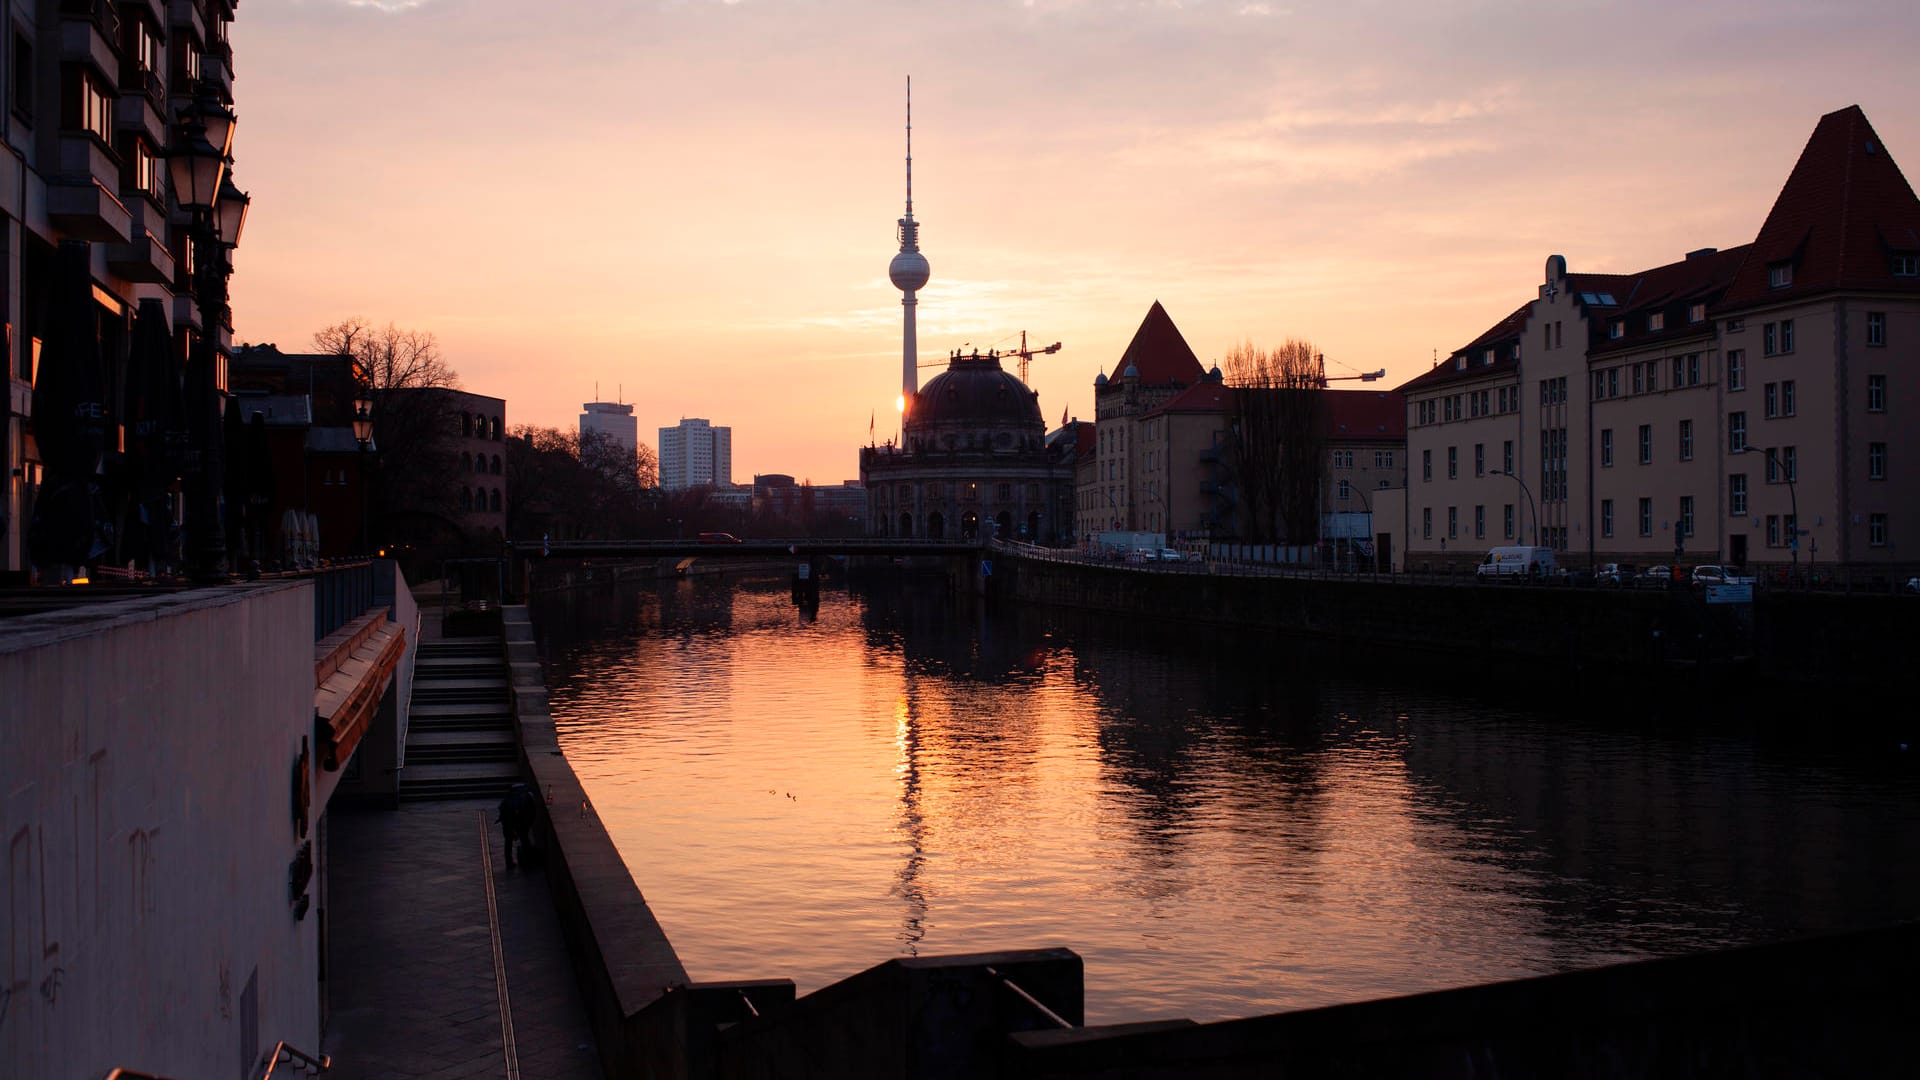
[(909, 274)]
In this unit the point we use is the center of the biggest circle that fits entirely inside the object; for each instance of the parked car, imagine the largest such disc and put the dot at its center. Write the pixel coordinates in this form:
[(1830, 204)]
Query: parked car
[(1913, 584), (1613, 575), (1654, 577), (1170, 555), (1718, 575), (1517, 563)]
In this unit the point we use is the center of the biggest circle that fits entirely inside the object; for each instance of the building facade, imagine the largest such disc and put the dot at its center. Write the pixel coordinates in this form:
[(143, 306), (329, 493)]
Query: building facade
[(90, 226), (974, 461), (611, 420), (1739, 406), (1157, 364), (696, 454)]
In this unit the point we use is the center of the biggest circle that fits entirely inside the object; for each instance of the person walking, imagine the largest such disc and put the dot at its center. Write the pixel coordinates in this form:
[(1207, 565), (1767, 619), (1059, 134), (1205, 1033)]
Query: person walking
[(517, 813)]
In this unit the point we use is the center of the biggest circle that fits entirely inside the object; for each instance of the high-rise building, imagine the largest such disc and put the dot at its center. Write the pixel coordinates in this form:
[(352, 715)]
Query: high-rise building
[(696, 454), (613, 421)]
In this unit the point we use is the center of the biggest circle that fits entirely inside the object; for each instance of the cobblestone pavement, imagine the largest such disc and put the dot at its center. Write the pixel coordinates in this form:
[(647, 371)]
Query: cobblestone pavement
[(411, 980)]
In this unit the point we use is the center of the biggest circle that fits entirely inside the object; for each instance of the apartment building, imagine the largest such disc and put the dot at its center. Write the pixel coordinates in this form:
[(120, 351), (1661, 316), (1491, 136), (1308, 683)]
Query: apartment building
[(696, 454), (90, 226), (1157, 364), (1736, 406)]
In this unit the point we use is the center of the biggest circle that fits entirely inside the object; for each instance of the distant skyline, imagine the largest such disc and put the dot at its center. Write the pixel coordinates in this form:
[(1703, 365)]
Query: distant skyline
[(694, 200)]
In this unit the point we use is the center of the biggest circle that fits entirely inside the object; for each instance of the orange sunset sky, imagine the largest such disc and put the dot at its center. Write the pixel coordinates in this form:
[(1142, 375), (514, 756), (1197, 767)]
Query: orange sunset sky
[(691, 203)]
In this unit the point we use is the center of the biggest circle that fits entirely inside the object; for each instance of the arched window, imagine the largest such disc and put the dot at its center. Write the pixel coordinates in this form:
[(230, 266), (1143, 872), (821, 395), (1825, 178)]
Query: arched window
[(480, 499), (466, 461), (496, 427), (496, 464), (466, 424), (493, 503), (466, 499)]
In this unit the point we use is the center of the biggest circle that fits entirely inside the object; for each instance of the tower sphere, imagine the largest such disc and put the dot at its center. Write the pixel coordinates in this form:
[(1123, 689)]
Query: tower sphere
[(909, 271)]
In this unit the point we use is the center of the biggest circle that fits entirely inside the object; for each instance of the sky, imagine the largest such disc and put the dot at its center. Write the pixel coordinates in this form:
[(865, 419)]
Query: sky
[(690, 204)]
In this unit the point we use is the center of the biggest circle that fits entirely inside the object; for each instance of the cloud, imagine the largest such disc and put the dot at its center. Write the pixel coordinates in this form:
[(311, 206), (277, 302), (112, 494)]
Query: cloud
[(390, 7)]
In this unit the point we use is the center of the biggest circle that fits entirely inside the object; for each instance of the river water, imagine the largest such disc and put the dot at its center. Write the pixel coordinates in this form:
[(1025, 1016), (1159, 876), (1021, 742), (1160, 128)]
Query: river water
[(1217, 829)]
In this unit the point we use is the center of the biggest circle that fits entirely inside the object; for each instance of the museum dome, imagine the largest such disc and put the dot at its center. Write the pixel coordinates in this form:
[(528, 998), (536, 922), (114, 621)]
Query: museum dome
[(974, 398)]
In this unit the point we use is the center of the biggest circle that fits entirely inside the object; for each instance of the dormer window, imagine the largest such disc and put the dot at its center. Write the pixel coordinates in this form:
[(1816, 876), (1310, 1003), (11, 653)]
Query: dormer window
[(1697, 313), (1906, 266), (1617, 328), (1461, 363), (1657, 321), (1779, 275), (1487, 357)]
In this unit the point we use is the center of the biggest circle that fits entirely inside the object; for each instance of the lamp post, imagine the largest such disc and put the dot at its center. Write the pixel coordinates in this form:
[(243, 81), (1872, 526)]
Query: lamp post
[(363, 434), (197, 167), (1531, 508), (1793, 503)]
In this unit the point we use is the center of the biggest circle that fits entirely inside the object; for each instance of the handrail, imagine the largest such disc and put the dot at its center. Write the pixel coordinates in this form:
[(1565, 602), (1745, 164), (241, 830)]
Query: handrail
[(284, 1054), (131, 1074), (1049, 1015)]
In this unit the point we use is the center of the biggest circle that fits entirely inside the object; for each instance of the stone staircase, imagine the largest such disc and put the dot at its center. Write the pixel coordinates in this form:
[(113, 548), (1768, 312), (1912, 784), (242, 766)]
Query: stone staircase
[(461, 741)]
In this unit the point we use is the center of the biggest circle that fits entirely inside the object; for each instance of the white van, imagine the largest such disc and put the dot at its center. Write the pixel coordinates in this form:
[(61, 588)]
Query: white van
[(1534, 562)]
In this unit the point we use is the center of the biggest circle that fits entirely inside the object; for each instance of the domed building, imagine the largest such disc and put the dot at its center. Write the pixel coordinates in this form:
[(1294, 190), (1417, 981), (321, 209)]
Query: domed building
[(973, 461)]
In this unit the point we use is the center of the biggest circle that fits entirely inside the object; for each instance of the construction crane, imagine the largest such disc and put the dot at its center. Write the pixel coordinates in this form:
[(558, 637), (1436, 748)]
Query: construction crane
[(1363, 376), (1025, 354)]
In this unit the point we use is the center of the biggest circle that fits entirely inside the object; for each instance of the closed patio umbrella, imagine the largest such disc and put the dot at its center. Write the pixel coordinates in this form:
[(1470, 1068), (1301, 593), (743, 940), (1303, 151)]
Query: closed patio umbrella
[(70, 420), (153, 410)]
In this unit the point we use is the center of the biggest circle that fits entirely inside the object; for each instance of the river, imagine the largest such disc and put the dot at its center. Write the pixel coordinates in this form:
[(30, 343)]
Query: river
[(1218, 826)]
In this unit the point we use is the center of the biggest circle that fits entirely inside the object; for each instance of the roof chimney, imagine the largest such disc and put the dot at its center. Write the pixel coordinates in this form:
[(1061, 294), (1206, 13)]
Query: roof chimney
[(1702, 252)]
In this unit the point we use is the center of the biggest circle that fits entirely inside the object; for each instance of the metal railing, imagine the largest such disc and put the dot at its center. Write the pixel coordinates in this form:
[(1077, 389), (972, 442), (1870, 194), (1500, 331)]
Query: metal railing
[(283, 1054), (341, 594), (1046, 1014)]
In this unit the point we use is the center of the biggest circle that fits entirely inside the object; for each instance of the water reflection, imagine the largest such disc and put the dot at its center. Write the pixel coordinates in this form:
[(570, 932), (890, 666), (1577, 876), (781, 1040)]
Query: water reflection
[(1219, 827)]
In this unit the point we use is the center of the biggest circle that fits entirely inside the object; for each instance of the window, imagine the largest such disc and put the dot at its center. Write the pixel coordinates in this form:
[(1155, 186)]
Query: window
[(1383, 459), (466, 461), (1507, 521), (1876, 328), (1697, 313), (494, 501), (1876, 393), (1789, 463), (1686, 440), (1736, 369), (1734, 326), (1453, 462), (1479, 459), (1453, 522), (1426, 523), (1770, 339), (1617, 328), (1906, 266), (23, 77), (1613, 382), (1779, 275), (1487, 357), (1877, 461), (1770, 393), (1786, 335), (1646, 444), (1786, 398), (1480, 523), (1646, 517), (1426, 465), (1344, 489), (91, 102), (1736, 432), (1606, 448), (1685, 523), (1606, 517), (1506, 456), (1877, 530), (1003, 492), (1639, 378), (1657, 321), (1653, 376), (1737, 495), (1773, 467), (1773, 530), (1693, 369), (1679, 372)]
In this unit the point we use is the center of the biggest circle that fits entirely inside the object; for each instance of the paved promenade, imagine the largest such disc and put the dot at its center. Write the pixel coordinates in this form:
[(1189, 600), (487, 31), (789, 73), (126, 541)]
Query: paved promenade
[(414, 984)]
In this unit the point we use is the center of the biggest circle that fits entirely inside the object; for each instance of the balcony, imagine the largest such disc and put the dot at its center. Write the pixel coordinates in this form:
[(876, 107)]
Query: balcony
[(90, 31), (144, 259), (82, 207), (184, 15), (217, 72), (138, 110)]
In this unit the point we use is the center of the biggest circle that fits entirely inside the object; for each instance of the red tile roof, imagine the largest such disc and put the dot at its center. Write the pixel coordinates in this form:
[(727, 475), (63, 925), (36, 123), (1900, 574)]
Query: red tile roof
[(1845, 210), (1202, 397), (1701, 278), (1365, 414), (1159, 352)]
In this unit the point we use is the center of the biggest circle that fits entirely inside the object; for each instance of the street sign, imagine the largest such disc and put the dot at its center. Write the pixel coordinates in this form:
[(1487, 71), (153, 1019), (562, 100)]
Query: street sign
[(1730, 594)]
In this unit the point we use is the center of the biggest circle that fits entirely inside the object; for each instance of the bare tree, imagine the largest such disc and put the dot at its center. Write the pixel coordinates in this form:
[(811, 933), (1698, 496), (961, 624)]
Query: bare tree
[(1279, 439), (387, 357)]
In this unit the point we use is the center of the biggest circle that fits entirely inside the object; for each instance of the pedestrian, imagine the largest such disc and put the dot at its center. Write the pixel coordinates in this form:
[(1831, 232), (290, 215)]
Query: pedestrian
[(517, 813)]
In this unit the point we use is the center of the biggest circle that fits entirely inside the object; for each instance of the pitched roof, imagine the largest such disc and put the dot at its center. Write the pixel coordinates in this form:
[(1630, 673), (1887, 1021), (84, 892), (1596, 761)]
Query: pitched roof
[(1845, 209), (1502, 332), (1365, 414), (1161, 354), (1204, 396), (1700, 278)]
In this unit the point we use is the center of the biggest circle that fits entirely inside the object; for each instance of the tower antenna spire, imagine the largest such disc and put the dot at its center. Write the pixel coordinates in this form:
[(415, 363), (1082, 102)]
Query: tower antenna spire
[(908, 271), (909, 146)]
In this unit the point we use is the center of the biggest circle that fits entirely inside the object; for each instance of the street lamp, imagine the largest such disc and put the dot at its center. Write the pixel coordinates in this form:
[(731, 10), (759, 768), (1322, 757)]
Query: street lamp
[(1793, 502), (197, 165), (1534, 510), (363, 434)]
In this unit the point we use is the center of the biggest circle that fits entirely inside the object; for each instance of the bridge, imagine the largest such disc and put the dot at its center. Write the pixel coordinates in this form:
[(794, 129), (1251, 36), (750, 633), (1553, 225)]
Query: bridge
[(787, 548)]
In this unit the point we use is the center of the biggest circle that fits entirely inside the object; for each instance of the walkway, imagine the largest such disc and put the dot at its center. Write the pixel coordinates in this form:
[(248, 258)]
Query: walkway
[(413, 983)]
